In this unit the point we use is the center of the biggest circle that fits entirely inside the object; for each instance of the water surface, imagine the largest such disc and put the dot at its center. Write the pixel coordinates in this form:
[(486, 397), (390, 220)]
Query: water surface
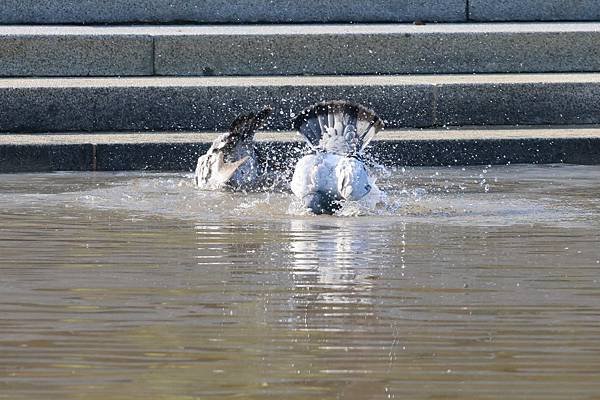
[(467, 283)]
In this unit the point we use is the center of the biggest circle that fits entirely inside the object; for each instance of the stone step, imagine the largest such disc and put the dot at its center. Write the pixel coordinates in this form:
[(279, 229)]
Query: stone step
[(534, 10), (287, 11), (169, 151), (211, 103), (299, 49), (227, 11)]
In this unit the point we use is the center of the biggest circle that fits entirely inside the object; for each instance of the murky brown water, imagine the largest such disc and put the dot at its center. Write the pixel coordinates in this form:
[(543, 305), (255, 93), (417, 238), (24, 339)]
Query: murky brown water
[(137, 286)]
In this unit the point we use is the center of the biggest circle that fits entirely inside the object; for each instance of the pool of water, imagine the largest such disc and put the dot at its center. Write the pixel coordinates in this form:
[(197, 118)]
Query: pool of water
[(470, 283)]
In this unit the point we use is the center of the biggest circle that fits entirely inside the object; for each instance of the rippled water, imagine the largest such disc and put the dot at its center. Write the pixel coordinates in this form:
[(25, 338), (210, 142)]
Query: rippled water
[(465, 283)]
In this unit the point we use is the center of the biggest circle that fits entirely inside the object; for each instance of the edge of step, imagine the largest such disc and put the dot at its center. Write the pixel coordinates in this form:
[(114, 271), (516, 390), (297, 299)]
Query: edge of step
[(210, 103), (229, 11), (282, 50), (169, 151)]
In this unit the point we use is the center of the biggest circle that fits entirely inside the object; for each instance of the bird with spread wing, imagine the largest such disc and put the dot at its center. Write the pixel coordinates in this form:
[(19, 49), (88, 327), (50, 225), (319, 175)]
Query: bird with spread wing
[(334, 172)]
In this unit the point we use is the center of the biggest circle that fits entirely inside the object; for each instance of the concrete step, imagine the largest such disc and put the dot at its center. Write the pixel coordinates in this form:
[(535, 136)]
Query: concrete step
[(227, 11), (534, 10), (299, 49), (168, 151), (211, 103), (288, 11)]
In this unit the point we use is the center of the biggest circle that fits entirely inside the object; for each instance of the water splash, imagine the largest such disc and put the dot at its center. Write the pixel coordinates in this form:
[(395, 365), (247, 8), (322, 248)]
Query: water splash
[(517, 195)]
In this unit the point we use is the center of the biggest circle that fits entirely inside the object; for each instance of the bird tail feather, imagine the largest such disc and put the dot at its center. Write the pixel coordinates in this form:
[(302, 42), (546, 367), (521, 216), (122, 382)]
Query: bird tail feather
[(339, 127), (243, 128)]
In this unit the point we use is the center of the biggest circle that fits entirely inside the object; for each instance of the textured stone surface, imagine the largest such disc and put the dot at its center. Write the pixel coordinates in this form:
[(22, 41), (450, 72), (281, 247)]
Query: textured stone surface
[(82, 55), (534, 10), (179, 152), (379, 49), (204, 139), (45, 157), (189, 104), (102, 104), (149, 156), (228, 11), (552, 103), (298, 50), (493, 152)]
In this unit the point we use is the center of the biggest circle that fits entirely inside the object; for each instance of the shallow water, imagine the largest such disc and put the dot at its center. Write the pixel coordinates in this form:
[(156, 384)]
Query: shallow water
[(475, 283)]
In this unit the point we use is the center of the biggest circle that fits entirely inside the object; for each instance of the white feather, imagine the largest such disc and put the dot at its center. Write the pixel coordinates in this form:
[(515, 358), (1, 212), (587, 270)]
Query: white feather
[(337, 132), (353, 182), (346, 178), (315, 172)]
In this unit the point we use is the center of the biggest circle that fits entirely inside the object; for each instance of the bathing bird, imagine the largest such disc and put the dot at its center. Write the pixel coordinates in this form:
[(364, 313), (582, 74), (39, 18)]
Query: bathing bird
[(334, 172), (231, 162)]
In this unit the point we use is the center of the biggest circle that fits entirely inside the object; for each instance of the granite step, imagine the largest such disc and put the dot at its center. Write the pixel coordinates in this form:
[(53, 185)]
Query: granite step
[(288, 11), (210, 103), (171, 151), (534, 10), (279, 50), (227, 11)]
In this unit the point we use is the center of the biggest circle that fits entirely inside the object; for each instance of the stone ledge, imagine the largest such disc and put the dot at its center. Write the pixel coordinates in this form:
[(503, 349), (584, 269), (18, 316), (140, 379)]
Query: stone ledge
[(209, 104), (179, 151), (267, 50), (390, 135), (534, 10), (227, 11)]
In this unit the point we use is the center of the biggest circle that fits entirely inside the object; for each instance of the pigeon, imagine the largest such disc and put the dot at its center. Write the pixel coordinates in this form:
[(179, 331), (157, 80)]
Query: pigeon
[(231, 163), (334, 172)]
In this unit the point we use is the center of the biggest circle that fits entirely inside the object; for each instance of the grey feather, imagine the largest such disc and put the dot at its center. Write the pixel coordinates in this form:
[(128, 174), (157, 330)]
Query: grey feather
[(242, 129), (231, 162), (339, 127)]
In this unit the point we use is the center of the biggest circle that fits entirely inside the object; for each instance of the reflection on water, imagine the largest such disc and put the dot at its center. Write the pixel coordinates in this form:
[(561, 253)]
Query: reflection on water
[(335, 263), (137, 286)]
